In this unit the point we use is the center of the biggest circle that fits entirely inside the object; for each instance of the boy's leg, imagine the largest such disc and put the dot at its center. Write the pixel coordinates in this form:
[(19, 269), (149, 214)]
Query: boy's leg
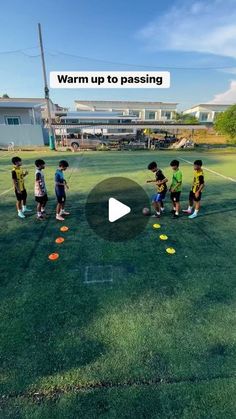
[(44, 203), (19, 205), (156, 203), (196, 207), (190, 206), (24, 197), (39, 209), (63, 211), (59, 208)]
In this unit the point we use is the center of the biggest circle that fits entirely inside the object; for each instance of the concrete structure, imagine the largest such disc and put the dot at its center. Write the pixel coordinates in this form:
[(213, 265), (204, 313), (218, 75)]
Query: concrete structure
[(21, 122), (206, 112), (145, 111)]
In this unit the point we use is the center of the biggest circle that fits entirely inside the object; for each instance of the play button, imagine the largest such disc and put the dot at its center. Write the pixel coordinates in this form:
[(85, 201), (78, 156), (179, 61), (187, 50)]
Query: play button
[(114, 209), (117, 210)]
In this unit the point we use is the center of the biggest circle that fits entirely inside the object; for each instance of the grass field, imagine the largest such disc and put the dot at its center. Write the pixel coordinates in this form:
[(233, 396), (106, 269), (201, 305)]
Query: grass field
[(158, 341)]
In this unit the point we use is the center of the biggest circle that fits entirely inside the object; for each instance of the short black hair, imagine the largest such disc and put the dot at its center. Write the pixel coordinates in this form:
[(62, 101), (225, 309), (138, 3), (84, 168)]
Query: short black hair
[(39, 162), (15, 160), (198, 162), (174, 163), (63, 163), (152, 165)]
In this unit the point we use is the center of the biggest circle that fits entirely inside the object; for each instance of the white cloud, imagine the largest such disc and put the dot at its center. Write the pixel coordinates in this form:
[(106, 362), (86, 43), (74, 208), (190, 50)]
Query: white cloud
[(206, 27), (227, 97)]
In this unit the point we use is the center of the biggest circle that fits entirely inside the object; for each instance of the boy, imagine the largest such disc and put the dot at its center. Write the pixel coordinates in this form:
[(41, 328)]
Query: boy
[(18, 175), (176, 188), (60, 185), (196, 191), (161, 181), (40, 190)]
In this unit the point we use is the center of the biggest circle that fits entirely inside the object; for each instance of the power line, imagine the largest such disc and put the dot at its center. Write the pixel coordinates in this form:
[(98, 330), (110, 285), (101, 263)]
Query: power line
[(141, 65)]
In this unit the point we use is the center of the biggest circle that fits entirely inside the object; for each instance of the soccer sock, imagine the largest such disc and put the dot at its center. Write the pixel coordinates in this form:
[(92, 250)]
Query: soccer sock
[(158, 213), (196, 211), (38, 214), (189, 208), (23, 207), (176, 212)]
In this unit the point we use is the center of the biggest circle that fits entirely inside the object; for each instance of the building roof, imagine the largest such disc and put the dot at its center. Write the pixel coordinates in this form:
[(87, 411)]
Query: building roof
[(13, 104), (209, 106), (123, 104)]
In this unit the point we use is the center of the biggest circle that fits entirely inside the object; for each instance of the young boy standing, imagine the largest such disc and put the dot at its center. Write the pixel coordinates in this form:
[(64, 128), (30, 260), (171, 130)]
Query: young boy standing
[(196, 191), (18, 175), (40, 190), (60, 185), (161, 181), (176, 188)]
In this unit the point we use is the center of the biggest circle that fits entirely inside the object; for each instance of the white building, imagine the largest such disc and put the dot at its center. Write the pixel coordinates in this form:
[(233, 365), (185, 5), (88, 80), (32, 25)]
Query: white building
[(145, 111), (21, 122), (206, 112)]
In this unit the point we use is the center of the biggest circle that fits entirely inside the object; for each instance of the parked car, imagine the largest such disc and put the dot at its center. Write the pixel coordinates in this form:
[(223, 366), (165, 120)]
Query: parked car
[(83, 141)]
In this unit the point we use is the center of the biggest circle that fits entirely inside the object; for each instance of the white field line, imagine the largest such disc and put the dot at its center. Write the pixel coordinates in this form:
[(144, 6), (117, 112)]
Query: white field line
[(211, 171), (5, 192), (96, 281)]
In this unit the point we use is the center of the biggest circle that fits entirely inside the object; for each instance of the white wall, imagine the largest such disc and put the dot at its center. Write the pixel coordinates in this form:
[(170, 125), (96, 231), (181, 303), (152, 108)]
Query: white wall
[(22, 135)]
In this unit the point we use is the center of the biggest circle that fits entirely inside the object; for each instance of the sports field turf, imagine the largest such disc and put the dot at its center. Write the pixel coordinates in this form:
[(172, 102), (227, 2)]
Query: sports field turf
[(156, 342)]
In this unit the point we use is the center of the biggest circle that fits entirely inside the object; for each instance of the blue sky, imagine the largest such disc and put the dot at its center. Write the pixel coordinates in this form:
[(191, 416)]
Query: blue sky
[(98, 35)]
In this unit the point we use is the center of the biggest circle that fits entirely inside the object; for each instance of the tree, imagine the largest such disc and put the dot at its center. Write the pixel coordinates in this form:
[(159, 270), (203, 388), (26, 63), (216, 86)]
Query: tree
[(180, 117), (5, 96), (226, 122)]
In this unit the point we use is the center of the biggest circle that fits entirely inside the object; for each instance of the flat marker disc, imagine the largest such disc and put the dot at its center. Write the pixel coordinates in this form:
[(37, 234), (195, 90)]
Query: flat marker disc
[(170, 250), (59, 240), (156, 226), (163, 237), (53, 256), (64, 228)]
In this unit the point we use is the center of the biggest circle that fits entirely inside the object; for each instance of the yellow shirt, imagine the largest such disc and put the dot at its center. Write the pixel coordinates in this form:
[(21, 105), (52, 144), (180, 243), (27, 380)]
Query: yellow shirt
[(18, 175), (197, 180)]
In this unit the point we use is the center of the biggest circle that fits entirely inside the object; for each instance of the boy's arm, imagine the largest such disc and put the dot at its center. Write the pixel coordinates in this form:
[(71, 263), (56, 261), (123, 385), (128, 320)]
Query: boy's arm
[(15, 183), (202, 184), (151, 181), (25, 173), (38, 178), (161, 182)]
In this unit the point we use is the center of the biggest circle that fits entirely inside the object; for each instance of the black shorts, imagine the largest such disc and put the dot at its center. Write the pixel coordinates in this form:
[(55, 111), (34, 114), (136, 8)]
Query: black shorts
[(21, 196), (61, 198), (175, 196), (42, 199), (192, 196)]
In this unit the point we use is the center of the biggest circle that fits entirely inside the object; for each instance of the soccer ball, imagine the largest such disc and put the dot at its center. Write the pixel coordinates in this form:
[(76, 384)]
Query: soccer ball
[(146, 211)]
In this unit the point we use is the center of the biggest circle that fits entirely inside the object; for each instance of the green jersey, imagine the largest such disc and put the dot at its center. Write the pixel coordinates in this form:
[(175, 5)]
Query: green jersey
[(177, 178)]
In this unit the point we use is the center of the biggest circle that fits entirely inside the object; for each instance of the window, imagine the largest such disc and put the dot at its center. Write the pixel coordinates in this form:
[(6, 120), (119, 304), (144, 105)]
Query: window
[(150, 115), (136, 113), (166, 115), (203, 116), (12, 120)]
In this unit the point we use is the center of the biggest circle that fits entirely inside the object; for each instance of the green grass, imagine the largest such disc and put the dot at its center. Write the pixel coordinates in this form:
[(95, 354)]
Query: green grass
[(157, 342)]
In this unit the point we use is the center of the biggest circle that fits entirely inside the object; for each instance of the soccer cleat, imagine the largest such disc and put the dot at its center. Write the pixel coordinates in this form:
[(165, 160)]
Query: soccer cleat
[(64, 212), (156, 216), (20, 214), (59, 217), (194, 215), (187, 211), (40, 217), (27, 210)]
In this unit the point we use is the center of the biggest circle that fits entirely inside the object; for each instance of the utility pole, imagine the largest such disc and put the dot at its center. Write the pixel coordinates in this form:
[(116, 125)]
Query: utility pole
[(46, 91)]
